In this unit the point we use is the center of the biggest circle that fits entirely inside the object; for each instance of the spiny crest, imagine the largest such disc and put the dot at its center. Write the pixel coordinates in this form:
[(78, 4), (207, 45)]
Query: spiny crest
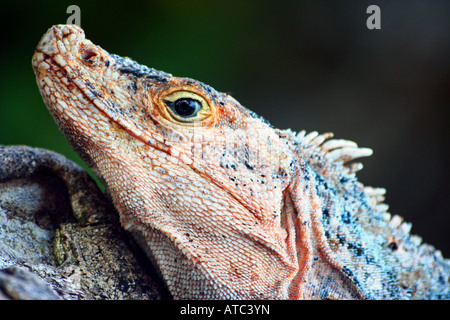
[(329, 153), (335, 159)]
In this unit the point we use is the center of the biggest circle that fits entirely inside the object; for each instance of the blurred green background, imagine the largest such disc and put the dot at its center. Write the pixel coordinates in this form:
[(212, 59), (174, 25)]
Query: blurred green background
[(310, 65)]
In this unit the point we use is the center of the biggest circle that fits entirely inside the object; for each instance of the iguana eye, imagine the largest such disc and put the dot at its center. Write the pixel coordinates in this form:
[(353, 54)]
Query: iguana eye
[(186, 106)]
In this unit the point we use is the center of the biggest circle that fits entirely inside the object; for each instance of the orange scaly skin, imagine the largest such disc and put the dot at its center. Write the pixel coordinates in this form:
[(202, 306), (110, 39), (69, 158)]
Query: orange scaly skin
[(224, 204)]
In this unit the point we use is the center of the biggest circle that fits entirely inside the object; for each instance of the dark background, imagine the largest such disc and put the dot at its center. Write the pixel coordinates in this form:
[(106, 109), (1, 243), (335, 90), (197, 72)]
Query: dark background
[(310, 65)]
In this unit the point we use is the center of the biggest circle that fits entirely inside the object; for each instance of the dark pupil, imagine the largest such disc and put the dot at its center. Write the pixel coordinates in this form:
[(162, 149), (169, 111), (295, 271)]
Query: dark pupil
[(186, 107)]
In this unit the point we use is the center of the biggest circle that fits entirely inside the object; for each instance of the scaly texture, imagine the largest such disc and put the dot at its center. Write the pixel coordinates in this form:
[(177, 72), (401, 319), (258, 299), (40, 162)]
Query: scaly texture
[(224, 204)]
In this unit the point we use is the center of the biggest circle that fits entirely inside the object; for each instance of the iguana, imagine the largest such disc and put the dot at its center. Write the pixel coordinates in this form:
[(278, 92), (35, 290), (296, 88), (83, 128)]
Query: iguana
[(223, 203)]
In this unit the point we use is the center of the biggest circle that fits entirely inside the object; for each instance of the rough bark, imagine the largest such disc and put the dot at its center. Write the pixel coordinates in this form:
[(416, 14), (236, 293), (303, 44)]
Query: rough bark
[(59, 234)]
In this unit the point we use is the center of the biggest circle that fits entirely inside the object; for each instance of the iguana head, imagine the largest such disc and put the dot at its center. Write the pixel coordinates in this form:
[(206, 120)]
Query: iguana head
[(190, 170)]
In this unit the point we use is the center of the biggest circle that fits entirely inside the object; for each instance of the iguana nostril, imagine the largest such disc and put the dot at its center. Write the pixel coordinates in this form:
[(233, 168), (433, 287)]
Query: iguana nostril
[(88, 55)]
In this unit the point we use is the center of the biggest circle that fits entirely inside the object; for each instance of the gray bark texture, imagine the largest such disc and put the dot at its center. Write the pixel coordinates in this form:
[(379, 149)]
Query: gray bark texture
[(60, 237)]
